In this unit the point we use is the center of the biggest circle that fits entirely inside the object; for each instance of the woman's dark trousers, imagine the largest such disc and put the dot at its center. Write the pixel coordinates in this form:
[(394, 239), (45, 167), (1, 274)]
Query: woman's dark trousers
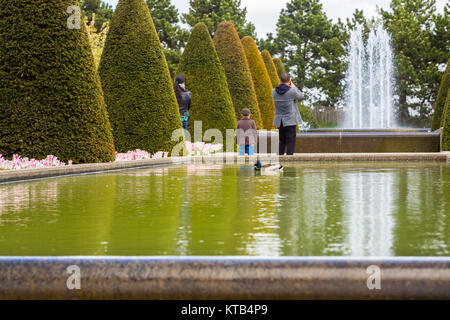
[(288, 137)]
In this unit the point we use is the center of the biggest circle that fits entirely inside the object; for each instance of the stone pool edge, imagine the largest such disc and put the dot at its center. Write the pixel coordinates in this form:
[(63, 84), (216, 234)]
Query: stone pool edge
[(30, 174), (258, 278)]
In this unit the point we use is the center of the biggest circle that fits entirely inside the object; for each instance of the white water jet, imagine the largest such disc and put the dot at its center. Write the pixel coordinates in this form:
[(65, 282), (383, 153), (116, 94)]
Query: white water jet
[(370, 213), (369, 99)]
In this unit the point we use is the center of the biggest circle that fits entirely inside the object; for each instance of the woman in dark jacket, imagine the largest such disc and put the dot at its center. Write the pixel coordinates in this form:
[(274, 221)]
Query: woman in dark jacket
[(183, 98)]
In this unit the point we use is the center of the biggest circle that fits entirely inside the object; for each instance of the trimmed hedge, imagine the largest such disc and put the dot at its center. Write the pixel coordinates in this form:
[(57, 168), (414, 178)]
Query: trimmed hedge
[(261, 80), (232, 56), (437, 120), (279, 66), (136, 82), (446, 125), (270, 66), (205, 78), (50, 95), (307, 116)]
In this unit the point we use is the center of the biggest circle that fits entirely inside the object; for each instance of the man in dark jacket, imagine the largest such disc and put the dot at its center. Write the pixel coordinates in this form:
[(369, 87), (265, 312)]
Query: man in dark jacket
[(287, 116)]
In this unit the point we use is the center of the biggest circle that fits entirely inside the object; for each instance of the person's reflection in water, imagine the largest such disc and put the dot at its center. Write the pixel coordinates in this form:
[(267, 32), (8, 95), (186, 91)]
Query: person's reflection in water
[(183, 236), (246, 171)]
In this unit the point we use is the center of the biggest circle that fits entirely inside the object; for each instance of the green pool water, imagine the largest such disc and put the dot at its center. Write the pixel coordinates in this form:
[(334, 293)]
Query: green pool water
[(311, 209)]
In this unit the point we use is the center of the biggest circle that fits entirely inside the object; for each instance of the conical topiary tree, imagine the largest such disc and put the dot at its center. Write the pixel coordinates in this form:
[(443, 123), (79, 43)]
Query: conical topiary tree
[(136, 82), (50, 95), (261, 80), (205, 78), (279, 66), (270, 66), (446, 125), (232, 56), (440, 100)]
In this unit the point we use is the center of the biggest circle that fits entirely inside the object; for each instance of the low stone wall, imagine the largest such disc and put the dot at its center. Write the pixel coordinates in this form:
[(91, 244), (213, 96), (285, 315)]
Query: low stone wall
[(402, 130), (359, 142), (29, 174), (223, 278)]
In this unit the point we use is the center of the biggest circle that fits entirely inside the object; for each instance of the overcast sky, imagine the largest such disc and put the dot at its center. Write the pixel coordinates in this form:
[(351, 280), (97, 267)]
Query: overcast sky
[(264, 13)]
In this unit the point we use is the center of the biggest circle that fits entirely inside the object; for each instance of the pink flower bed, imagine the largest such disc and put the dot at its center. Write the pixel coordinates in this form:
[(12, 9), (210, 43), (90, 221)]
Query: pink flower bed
[(203, 149), (140, 155), (18, 162)]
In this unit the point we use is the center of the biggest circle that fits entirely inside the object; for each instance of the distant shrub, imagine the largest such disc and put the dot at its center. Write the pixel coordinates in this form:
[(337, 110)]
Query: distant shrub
[(205, 78), (136, 82), (239, 79), (279, 66), (437, 120), (446, 125), (307, 116), (51, 100), (261, 80), (270, 66)]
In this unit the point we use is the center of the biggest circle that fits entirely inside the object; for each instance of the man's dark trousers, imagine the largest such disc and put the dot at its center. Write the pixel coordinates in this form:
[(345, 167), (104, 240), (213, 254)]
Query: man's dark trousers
[(287, 137)]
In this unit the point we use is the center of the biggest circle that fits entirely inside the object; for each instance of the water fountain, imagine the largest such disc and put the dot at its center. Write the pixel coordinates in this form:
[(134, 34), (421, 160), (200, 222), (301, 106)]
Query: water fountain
[(369, 94)]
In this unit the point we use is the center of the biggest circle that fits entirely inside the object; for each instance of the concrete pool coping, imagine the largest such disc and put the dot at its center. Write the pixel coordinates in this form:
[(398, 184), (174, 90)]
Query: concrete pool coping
[(258, 278), (31, 174)]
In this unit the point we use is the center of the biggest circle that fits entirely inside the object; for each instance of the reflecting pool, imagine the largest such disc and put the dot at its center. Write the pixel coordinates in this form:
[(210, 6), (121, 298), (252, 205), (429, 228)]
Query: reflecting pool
[(310, 209)]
